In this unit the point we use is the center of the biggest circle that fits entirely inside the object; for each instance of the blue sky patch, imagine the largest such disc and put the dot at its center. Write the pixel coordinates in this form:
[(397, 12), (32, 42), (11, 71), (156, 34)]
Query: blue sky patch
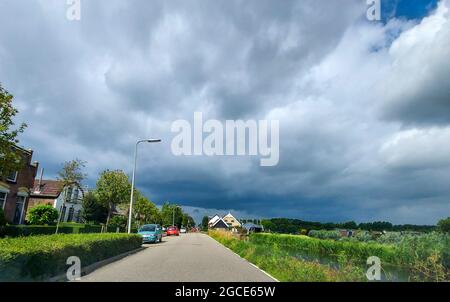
[(407, 9)]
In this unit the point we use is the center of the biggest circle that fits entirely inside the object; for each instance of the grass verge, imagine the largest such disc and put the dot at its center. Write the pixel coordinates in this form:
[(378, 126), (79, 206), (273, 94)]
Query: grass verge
[(286, 268)]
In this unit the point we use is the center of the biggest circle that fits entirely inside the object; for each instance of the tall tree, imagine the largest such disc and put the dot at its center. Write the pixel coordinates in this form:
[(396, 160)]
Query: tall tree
[(93, 210), (187, 220), (205, 222), (113, 189), (10, 159), (70, 174), (171, 213), (144, 211)]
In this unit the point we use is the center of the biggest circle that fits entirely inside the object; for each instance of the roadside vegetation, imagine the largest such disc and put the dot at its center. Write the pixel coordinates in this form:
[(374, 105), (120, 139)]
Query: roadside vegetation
[(41, 257), (278, 262), (424, 257)]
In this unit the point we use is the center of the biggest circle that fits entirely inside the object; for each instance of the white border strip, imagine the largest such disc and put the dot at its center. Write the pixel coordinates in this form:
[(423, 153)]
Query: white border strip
[(266, 273)]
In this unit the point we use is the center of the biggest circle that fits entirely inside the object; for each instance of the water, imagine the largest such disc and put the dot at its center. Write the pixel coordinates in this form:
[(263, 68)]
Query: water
[(389, 273)]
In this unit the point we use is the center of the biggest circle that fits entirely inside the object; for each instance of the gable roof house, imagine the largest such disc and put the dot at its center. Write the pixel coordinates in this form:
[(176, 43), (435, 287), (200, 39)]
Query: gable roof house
[(213, 220), (52, 192), (219, 224), (231, 221)]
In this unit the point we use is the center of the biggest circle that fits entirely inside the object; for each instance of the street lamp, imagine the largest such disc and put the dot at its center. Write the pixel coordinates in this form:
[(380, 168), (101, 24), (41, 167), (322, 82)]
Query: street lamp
[(130, 215)]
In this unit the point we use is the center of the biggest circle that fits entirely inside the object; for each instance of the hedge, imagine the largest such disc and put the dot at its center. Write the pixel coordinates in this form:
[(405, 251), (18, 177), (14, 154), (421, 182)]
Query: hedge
[(66, 228), (36, 258)]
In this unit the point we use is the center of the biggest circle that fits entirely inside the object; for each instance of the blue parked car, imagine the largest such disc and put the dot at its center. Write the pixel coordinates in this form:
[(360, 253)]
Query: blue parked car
[(151, 233)]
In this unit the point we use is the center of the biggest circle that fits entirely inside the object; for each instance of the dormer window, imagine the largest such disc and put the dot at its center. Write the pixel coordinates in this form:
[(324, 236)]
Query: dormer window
[(12, 177)]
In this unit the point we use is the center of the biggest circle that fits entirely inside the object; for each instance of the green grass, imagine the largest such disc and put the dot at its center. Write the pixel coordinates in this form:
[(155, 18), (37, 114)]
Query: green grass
[(422, 258), (41, 257), (283, 266), (353, 251)]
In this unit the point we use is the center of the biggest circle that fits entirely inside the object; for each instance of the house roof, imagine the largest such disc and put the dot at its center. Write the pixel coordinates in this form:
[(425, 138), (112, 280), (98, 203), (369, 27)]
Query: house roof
[(214, 219), (250, 225), (220, 220), (48, 188)]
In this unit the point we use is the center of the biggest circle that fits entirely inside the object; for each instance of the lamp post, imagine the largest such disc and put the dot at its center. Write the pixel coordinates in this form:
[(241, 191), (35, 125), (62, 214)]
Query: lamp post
[(130, 214)]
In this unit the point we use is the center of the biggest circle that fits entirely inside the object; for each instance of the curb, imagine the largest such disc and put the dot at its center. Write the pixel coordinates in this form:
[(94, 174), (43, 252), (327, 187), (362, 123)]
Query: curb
[(94, 266)]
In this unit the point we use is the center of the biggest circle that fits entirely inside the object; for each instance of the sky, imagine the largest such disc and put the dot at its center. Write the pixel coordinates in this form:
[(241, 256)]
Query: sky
[(364, 106)]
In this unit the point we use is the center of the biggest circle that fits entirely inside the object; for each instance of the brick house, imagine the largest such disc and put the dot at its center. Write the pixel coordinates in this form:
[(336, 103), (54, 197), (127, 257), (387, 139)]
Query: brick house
[(15, 189)]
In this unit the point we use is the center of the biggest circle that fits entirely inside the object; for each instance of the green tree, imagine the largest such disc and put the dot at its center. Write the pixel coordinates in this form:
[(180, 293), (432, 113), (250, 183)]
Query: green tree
[(350, 225), (118, 221), (42, 215), (144, 211), (113, 189), (170, 211), (10, 159), (187, 220), (205, 221), (444, 225), (70, 174), (93, 210)]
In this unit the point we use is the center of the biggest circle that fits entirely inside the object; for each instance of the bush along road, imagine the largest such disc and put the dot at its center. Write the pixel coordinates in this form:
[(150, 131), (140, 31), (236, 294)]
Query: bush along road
[(38, 258)]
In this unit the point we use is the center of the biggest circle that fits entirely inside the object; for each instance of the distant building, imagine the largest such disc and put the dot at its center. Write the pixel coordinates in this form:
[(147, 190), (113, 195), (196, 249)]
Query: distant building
[(15, 189), (252, 227), (219, 224), (231, 221), (52, 192), (213, 220)]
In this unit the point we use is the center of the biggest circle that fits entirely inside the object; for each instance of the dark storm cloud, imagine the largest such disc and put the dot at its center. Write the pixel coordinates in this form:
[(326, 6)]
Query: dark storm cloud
[(350, 117)]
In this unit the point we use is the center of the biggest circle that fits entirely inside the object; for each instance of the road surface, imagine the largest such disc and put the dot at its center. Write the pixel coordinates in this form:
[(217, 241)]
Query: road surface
[(187, 258)]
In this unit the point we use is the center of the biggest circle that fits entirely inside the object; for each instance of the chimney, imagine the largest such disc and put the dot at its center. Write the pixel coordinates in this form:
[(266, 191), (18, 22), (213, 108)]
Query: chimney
[(40, 179)]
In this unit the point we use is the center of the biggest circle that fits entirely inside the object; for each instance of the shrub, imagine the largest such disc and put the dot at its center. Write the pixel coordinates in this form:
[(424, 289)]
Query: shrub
[(390, 238), (2, 218), (118, 221), (363, 236), (41, 257), (42, 215), (356, 251), (444, 225), (283, 266), (323, 234)]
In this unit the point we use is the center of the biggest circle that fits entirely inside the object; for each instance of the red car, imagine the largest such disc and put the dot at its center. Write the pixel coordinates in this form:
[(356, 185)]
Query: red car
[(173, 231)]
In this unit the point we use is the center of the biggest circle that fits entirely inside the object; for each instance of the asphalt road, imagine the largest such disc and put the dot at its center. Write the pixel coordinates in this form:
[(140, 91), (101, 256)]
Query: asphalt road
[(187, 258)]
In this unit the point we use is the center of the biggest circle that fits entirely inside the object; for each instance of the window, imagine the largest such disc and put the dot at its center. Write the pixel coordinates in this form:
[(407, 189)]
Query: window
[(71, 213), (69, 194), (78, 216), (75, 196), (12, 177), (3, 196), (18, 213), (63, 214)]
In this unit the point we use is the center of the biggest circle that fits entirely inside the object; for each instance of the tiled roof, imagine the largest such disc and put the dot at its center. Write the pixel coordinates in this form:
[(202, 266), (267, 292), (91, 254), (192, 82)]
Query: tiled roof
[(49, 188)]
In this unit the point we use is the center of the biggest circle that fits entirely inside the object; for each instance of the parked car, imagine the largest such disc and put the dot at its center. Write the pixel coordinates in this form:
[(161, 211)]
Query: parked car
[(164, 231), (151, 233), (173, 231), (183, 230)]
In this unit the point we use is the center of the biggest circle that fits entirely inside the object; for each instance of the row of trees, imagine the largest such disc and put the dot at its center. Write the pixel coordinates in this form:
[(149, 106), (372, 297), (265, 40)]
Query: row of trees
[(293, 226), (109, 202)]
